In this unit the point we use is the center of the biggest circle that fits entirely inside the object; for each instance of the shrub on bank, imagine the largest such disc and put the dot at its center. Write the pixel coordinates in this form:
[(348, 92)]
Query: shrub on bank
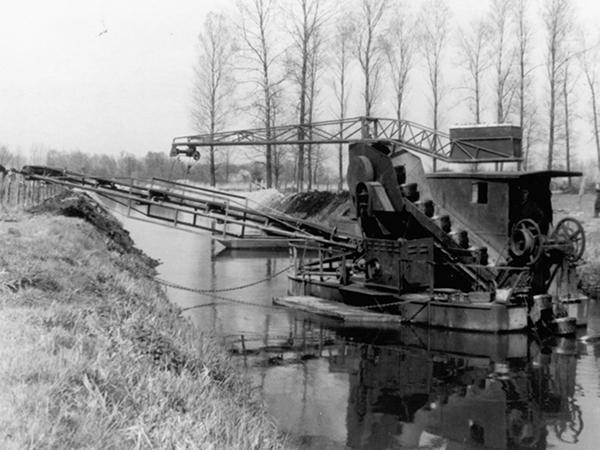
[(92, 354)]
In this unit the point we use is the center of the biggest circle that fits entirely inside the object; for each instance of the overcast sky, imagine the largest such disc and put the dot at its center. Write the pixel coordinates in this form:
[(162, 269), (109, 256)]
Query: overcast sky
[(108, 75), (100, 76)]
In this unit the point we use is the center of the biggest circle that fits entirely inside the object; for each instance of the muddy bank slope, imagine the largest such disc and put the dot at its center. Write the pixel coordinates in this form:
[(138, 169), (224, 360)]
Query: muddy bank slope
[(320, 207), (93, 355)]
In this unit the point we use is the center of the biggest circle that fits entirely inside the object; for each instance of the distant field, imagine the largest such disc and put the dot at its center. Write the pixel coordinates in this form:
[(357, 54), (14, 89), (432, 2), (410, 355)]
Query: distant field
[(581, 208)]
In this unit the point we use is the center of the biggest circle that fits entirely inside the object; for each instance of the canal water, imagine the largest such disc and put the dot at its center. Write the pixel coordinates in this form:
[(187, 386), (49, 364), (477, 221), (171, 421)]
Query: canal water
[(333, 387)]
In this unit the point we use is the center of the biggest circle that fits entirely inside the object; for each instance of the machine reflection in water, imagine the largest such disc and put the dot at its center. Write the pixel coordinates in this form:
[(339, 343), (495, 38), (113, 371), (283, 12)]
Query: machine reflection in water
[(402, 398), (419, 388)]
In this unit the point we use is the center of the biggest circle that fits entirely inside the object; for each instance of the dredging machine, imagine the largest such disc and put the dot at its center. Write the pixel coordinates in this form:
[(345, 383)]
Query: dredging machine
[(473, 250), (453, 233), (448, 230)]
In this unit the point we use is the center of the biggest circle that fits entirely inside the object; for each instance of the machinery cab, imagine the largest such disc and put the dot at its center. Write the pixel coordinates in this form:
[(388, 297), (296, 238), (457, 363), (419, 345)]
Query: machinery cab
[(460, 230)]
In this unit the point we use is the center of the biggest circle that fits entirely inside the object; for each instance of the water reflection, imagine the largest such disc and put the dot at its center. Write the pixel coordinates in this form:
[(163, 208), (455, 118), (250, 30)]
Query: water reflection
[(197, 262), (380, 395), (335, 387)]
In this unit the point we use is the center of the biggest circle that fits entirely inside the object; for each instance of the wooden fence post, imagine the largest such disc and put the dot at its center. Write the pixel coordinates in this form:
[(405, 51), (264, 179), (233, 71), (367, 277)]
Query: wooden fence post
[(18, 193)]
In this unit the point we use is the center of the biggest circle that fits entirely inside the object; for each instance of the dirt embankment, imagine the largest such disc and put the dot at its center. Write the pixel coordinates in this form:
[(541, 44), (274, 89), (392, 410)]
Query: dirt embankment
[(92, 353), (81, 205), (316, 206)]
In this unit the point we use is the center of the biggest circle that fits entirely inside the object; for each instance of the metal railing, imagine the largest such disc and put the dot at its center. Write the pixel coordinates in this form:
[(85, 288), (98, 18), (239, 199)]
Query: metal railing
[(322, 263), (191, 207)]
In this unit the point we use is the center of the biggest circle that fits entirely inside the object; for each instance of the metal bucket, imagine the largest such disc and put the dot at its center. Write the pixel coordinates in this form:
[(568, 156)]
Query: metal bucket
[(566, 346), (540, 308), (565, 325), (542, 301)]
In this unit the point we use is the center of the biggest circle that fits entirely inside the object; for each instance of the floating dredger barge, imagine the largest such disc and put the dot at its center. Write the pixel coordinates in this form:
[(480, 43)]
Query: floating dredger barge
[(470, 250), (452, 232)]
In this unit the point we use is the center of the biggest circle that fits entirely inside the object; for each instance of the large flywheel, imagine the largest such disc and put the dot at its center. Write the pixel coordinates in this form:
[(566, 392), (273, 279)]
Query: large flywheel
[(569, 234), (526, 241)]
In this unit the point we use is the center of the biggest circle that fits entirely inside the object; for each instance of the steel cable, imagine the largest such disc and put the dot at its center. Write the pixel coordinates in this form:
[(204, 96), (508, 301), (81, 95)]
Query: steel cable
[(212, 291)]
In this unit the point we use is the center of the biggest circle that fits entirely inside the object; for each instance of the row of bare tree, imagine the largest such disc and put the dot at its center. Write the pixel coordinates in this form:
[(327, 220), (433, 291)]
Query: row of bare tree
[(278, 60), (243, 174)]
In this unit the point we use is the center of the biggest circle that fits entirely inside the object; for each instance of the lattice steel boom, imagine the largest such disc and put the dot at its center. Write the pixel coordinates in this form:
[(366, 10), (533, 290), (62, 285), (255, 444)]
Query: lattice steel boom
[(400, 134)]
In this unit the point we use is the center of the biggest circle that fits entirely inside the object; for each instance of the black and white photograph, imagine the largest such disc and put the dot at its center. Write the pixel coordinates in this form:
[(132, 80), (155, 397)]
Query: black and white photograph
[(300, 224)]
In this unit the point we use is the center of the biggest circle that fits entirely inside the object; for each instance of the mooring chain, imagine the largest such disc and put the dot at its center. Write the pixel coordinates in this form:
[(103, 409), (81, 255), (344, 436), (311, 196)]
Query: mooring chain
[(213, 291), (220, 297)]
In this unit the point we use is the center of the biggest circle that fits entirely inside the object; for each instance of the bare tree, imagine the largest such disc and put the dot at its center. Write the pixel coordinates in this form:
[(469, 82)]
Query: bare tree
[(589, 61), (567, 88), (313, 90), (557, 17), (434, 19), (399, 47), (524, 75), (213, 80), (368, 49), (257, 16), (473, 48), (226, 159), (318, 163), (499, 22), (531, 132), (277, 150), (341, 86), (306, 25)]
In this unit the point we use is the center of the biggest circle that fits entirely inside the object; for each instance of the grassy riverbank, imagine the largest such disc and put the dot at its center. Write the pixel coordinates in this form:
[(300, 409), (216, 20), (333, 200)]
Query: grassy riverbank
[(93, 355)]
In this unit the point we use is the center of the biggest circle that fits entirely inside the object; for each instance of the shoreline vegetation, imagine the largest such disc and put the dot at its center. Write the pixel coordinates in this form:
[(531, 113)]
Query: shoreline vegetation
[(92, 353)]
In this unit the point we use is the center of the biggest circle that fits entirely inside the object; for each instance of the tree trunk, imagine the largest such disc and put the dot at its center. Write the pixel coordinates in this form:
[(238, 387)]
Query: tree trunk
[(435, 111), (276, 167), (309, 166), (300, 165), (342, 114), (213, 177), (551, 125), (266, 82), (499, 87), (340, 167), (268, 147), (477, 101), (567, 135), (596, 130), (269, 170), (399, 112), (522, 91), (301, 134), (227, 163), (367, 73), (316, 171), (522, 106)]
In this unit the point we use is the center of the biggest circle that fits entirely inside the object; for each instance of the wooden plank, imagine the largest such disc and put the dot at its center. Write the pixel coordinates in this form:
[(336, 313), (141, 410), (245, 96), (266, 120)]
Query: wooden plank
[(336, 310)]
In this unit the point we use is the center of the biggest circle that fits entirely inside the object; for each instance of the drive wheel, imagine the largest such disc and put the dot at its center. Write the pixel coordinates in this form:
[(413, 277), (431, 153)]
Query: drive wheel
[(570, 232), (526, 241)]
